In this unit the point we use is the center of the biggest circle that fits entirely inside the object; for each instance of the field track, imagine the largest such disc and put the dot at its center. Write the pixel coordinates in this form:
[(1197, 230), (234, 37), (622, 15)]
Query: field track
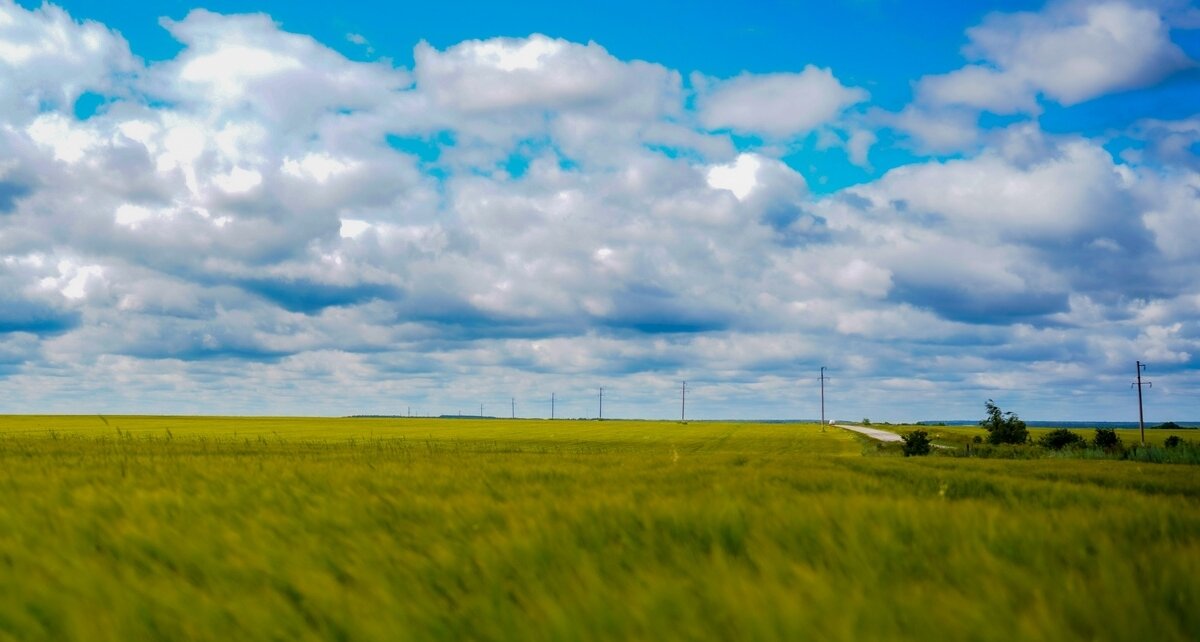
[(873, 433)]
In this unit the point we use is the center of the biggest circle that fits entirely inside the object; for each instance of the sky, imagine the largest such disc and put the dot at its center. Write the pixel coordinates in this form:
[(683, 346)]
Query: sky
[(302, 208)]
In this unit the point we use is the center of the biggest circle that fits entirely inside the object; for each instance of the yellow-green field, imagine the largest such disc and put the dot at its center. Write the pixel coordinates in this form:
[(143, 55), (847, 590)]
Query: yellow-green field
[(164, 528)]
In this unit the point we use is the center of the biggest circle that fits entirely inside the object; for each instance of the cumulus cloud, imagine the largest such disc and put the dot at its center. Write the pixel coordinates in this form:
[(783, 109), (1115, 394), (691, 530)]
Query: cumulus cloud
[(938, 130), (259, 224), (542, 74), (1013, 231), (1072, 52), (47, 60), (780, 104)]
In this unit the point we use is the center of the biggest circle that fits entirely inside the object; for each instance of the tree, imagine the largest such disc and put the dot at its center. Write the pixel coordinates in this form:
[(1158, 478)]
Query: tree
[(1003, 427), (916, 443), (1106, 439)]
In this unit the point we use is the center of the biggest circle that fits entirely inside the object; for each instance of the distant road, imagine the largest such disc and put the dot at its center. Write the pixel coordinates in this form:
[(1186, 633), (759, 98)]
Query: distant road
[(873, 433)]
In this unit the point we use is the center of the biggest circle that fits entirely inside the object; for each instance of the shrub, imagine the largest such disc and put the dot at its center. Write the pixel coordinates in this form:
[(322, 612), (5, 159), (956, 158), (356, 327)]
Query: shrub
[(916, 443), (1106, 438), (1003, 427), (977, 439), (1061, 438), (866, 422), (1174, 441)]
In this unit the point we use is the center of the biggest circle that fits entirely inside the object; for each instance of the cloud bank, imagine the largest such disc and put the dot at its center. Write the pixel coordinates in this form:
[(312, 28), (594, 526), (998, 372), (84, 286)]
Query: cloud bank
[(260, 224)]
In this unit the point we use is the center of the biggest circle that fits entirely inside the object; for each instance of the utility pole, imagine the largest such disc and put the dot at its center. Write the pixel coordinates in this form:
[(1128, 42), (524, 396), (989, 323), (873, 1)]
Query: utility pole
[(514, 407), (683, 403), (1139, 383), (602, 402), (480, 411), (552, 405), (823, 378)]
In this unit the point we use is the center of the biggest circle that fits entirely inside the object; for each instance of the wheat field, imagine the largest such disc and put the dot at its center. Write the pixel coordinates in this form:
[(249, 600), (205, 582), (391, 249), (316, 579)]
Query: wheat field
[(186, 528)]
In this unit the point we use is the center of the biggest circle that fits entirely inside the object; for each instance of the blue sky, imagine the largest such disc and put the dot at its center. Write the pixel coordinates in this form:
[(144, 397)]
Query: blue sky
[(304, 208)]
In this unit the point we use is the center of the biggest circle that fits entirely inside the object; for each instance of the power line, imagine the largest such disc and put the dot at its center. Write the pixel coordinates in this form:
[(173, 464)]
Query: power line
[(1139, 383)]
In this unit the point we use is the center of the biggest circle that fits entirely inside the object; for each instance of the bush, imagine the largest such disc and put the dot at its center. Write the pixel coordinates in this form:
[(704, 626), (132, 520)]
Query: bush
[(1003, 427), (916, 443), (1174, 441), (866, 422), (1061, 438), (1107, 439)]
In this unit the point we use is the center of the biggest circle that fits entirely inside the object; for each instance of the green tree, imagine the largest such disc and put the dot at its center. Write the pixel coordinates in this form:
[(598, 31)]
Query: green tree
[(1061, 438), (916, 443), (1003, 427), (1107, 439)]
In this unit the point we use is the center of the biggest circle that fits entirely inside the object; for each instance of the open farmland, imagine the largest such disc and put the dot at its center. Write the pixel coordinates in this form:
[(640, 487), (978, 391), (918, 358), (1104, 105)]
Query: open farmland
[(124, 528)]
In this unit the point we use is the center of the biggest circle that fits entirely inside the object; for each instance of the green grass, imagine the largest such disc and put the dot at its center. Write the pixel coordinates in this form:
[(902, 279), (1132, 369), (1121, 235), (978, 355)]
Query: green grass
[(145, 528)]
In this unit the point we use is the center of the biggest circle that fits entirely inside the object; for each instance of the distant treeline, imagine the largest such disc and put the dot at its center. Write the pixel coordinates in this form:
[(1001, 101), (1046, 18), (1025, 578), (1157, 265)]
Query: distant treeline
[(1170, 425)]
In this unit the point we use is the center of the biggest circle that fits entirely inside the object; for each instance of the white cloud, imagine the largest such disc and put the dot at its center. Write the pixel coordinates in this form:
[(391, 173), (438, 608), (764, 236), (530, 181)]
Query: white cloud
[(781, 104), (739, 177), (858, 146), (1076, 191), (68, 142), (937, 131), (233, 62), (353, 228), (238, 180), (979, 87), (317, 166), (569, 213), (1071, 52), (47, 60), (540, 73), (1174, 214), (863, 276)]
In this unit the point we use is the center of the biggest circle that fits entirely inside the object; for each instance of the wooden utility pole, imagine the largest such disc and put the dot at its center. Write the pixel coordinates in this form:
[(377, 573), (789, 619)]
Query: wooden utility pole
[(1139, 383), (552, 405), (683, 403), (602, 402), (823, 377)]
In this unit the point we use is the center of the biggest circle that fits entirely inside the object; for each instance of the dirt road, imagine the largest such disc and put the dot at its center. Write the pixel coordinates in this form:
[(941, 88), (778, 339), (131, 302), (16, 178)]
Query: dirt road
[(873, 433)]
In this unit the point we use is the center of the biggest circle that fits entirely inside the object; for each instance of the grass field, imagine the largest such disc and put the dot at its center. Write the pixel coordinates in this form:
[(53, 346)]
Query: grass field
[(123, 528)]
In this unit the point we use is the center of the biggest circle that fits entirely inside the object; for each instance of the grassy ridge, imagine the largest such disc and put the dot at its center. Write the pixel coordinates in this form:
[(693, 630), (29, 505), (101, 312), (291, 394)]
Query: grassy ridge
[(232, 528)]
